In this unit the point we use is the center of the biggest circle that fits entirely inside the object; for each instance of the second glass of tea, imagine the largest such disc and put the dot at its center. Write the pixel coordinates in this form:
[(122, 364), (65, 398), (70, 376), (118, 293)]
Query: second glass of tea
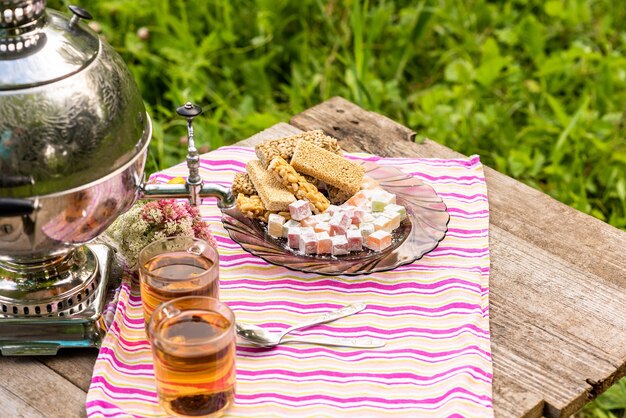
[(175, 267), (193, 345)]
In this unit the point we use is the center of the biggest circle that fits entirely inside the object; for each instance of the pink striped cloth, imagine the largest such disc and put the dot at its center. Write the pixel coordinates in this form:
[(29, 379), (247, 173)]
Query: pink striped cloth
[(433, 314)]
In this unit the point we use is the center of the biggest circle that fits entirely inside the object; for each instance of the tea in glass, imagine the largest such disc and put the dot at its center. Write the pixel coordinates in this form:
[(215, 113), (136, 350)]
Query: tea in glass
[(176, 267), (193, 344)]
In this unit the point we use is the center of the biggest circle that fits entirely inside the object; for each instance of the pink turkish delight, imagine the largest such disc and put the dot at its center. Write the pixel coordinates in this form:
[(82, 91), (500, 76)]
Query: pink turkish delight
[(378, 240), (359, 199), (322, 227), (340, 245), (355, 240), (339, 223), (332, 209), (293, 237), (324, 243), (310, 221), (300, 210), (308, 243), (357, 216)]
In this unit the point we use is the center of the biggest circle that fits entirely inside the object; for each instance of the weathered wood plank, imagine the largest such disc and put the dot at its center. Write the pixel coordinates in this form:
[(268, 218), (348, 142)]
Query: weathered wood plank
[(555, 274), (13, 406), (75, 365), (38, 391), (277, 131), (513, 401)]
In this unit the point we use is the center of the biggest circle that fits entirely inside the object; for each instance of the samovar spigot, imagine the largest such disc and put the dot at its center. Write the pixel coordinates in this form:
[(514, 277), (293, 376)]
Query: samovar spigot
[(195, 189)]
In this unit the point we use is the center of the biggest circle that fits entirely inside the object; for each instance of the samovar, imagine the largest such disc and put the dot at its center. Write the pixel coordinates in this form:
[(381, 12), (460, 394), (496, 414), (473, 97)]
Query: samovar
[(74, 136)]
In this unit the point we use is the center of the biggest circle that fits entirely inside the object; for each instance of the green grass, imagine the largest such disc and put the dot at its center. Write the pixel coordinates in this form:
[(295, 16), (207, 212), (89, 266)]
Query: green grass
[(537, 88)]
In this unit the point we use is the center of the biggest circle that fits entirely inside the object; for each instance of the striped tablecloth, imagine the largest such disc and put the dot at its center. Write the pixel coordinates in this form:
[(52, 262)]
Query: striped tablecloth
[(433, 314)]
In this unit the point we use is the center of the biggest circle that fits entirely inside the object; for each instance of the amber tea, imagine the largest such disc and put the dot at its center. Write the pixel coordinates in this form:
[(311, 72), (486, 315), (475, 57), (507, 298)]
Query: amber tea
[(194, 356), (177, 267)]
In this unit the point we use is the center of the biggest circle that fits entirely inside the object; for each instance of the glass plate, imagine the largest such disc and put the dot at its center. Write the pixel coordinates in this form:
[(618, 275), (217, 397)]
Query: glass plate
[(426, 224)]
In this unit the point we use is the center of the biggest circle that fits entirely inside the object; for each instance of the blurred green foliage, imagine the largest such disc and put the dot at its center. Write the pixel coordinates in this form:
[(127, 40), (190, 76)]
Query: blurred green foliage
[(537, 88)]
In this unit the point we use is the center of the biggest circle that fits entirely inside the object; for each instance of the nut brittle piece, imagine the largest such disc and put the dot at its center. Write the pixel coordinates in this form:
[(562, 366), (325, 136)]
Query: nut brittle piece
[(243, 184), (298, 185), (273, 193), (330, 168), (283, 147), (250, 206)]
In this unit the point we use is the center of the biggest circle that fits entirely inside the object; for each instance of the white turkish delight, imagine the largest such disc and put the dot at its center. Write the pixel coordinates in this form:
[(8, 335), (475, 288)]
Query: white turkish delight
[(289, 224), (397, 208), (275, 224), (394, 217), (366, 229), (383, 223), (299, 210), (368, 218)]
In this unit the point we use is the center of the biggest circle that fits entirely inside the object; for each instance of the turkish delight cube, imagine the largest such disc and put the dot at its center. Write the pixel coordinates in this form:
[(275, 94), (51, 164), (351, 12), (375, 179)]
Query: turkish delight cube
[(299, 210), (357, 216), (381, 199), (378, 240), (275, 224), (322, 217), (339, 223), (368, 184), (355, 240), (359, 199), (324, 243), (366, 229), (293, 237), (382, 223), (332, 209), (340, 245), (322, 227), (397, 208), (289, 224), (308, 243), (394, 217), (368, 218), (310, 221)]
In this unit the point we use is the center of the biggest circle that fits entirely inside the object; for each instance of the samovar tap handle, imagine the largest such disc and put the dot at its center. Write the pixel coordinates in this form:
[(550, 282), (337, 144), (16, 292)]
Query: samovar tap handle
[(194, 181)]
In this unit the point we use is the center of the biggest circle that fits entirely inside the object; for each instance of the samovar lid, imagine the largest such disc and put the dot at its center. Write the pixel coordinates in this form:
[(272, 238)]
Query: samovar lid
[(35, 51), (70, 111)]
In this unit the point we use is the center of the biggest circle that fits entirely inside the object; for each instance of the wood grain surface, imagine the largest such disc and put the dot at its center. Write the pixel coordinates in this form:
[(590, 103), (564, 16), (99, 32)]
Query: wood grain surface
[(557, 291)]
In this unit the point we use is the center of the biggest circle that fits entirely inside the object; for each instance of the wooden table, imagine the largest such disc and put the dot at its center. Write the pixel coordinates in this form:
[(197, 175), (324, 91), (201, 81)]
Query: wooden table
[(558, 291)]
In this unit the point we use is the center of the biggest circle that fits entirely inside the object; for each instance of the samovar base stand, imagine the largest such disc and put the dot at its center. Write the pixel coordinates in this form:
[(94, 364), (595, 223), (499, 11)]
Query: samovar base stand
[(69, 316)]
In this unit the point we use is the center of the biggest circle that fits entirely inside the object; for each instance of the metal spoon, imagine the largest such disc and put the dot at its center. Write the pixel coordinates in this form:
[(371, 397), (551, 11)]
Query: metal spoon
[(264, 338)]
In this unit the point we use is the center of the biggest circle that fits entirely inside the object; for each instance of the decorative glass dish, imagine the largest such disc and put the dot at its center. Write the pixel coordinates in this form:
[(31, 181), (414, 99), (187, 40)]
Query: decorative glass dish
[(420, 232)]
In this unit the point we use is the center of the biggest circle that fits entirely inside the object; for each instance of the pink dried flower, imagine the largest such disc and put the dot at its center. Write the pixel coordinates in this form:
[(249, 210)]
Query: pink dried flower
[(147, 222)]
